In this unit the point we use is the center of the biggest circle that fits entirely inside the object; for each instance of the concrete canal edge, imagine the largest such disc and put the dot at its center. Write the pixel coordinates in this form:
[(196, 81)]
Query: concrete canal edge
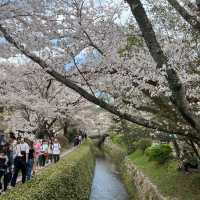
[(137, 184)]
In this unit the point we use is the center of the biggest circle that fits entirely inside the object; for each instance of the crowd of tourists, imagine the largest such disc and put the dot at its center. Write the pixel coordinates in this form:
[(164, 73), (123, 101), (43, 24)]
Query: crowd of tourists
[(79, 138), (25, 156)]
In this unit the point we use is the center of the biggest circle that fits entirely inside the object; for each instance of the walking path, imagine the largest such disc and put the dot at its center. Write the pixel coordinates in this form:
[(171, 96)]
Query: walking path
[(66, 152), (63, 154)]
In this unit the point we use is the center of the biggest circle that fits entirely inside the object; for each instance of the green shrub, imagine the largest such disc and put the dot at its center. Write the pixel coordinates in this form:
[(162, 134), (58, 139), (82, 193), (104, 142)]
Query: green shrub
[(69, 179), (160, 153), (143, 144), (134, 146), (118, 139)]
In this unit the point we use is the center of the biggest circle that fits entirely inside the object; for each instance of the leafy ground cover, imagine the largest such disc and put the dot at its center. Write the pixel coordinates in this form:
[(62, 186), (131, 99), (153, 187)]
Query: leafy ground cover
[(168, 179)]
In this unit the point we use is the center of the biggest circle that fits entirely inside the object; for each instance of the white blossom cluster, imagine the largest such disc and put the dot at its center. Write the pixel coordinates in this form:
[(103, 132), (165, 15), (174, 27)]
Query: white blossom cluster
[(116, 60)]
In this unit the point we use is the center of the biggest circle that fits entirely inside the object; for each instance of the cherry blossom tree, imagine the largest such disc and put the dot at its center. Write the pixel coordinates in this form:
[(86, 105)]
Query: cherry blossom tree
[(36, 100), (151, 70)]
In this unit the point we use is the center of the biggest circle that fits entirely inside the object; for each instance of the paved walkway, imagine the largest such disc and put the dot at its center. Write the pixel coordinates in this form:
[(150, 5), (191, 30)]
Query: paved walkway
[(63, 154)]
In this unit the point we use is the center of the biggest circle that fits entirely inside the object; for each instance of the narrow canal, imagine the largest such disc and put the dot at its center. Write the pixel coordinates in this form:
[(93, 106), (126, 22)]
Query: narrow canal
[(106, 183)]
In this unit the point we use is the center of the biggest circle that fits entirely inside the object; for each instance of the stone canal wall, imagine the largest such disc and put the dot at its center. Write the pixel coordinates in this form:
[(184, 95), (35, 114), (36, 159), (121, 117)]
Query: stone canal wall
[(138, 185)]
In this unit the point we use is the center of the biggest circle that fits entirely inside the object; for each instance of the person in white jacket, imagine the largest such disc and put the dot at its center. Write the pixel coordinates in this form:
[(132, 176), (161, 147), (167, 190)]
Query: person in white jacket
[(21, 151), (56, 148)]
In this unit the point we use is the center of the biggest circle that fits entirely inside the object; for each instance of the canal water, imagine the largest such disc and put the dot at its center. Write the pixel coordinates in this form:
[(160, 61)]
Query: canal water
[(106, 183)]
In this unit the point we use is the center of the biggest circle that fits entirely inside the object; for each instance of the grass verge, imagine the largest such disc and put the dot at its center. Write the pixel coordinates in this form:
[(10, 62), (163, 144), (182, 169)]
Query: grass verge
[(170, 182)]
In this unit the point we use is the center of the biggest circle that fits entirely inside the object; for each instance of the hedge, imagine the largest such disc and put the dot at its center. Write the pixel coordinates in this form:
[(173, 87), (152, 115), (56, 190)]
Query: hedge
[(69, 179)]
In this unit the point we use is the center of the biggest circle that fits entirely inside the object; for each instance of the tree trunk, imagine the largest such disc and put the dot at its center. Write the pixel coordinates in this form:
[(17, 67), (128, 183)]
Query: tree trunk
[(176, 148), (126, 133), (198, 4), (177, 88), (65, 129)]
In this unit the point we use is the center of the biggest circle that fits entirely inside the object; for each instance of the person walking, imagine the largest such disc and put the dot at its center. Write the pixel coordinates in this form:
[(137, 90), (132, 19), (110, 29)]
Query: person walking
[(12, 145), (24, 148), (3, 170), (44, 152), (20, 158), (76, 141), (56, 150), (50, 152), (85, 135), (9, 153), (37, 156), (2, 139), (30, 162)]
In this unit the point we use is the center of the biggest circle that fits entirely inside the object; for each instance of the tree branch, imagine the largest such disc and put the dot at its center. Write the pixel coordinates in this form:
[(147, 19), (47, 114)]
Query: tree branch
[(50, 81), (92, 44), (60, 78), (82, 74), (177, 88), (190, 19), (198, 4), (49, 125)]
